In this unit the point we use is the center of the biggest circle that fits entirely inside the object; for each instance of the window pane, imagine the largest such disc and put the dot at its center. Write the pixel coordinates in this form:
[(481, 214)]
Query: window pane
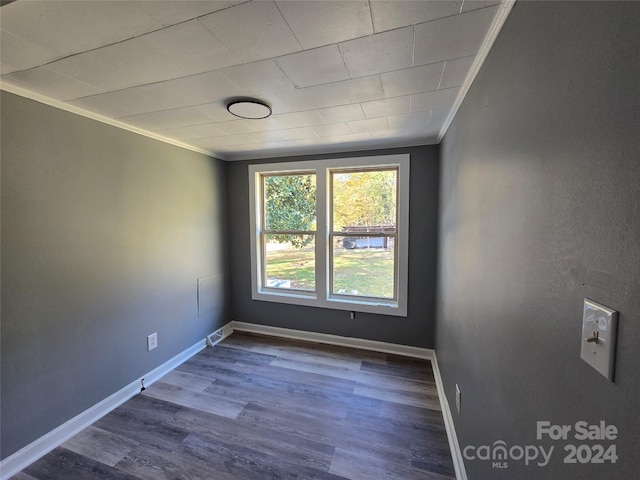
[(364, 266), (290, 202), (364, 199), (290, 262)]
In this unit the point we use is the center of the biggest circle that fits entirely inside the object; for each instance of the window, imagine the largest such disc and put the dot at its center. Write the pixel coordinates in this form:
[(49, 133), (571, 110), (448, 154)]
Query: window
[(331, 233)]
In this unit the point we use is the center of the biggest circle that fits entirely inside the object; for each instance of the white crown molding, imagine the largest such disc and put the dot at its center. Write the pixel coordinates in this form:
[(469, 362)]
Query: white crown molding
[(56, 437), (221, 156), (494, 29), (23, 92)]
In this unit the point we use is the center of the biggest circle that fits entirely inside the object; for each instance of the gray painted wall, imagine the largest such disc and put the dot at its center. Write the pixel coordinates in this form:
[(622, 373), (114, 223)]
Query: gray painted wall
[(416, 329), (540, 207), (104, 235)]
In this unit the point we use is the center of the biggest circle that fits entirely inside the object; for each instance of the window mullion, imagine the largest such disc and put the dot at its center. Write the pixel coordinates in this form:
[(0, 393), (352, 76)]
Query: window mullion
[(322, 238), (268, 263)]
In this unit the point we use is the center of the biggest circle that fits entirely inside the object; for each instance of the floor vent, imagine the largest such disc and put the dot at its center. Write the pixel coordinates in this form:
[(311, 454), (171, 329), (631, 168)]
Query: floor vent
[(215, 337)]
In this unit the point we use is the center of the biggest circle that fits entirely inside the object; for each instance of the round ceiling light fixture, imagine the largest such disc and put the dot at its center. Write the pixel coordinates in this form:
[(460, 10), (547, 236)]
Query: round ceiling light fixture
[(251, 109)]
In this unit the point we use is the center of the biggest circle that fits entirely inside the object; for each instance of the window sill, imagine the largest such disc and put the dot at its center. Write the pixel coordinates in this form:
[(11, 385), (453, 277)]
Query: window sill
[(379, 307)]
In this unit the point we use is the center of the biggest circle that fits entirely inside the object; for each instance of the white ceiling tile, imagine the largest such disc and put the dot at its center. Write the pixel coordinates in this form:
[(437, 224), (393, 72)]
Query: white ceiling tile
[(297, 133), (93, 68), (436, 99), (369, 125), (392, 14), (173, 52), (254, 31), (348, 139), (216, 111), (438, 116), (417, 120), (257, 78), (188, 48), (268, 136), (172, 66), (411, 80), (295, 144), (311, 144), (46, 81), (154, 120), (314, 67), (117, 66), (455, 72), (388, 106), (333, 94), (191, 132), (343, 113), (382, 52), (477, 4), (17, 53), (194, 115), (261, 125), (226, 141), (452, 37), (234, 127), (67, 27), (432, 133), (317, 24), (193, 90), (117, 104), (401, 135), (168, 12), (296, 119), (332, 130), (277, 106)]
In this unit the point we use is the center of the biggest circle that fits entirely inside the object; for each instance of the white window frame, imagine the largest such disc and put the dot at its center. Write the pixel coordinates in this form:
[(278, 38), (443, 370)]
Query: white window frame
[(322, 297)]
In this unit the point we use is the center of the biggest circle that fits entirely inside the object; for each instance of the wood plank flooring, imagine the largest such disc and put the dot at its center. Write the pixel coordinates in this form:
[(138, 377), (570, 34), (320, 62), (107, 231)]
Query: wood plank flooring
[(257, 407)]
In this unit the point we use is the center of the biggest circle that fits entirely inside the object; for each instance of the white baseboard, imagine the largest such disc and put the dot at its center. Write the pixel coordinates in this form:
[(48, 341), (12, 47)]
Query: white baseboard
[(454, 446), (416, 352), (40, 447), (56, 437), (405, 350)]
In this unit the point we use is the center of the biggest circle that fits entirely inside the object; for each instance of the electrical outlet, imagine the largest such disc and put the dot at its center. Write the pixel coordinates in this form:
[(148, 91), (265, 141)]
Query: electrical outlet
[(152, 341), (458, 395), (352, 315)]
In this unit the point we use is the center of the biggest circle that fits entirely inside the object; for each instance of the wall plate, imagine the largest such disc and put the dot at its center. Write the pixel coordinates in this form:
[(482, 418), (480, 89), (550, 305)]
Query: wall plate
[(599, 325), (152, 341)]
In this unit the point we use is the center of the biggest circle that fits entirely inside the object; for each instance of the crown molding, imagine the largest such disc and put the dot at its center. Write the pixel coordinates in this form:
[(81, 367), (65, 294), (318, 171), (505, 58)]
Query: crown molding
[(23, 92), (494, 29)]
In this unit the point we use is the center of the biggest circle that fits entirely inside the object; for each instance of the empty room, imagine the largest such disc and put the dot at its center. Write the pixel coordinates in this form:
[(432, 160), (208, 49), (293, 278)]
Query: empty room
[(319, 239)]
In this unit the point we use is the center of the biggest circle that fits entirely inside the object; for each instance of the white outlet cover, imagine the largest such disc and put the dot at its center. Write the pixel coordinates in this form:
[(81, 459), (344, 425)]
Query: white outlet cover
[(603, 320), (152, 341)]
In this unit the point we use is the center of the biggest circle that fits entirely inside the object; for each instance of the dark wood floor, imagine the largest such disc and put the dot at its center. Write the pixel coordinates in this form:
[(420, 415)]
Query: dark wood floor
[(256, 407)]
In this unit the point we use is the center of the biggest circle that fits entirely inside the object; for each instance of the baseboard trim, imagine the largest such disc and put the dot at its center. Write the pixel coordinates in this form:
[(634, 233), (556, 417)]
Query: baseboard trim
[(56, 437), (43, 445), (454, 446), (384, 347), (405, 350)]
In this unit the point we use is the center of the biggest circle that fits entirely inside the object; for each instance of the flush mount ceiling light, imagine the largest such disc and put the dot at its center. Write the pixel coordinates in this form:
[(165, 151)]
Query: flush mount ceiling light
[(252, 109)]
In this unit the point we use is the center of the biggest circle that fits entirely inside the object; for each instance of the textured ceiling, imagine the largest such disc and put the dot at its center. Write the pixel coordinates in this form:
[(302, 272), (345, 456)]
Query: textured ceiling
[(339, 75)]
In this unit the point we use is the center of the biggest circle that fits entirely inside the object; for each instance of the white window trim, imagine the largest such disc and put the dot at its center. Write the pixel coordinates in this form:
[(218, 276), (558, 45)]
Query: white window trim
[(321, 297)]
